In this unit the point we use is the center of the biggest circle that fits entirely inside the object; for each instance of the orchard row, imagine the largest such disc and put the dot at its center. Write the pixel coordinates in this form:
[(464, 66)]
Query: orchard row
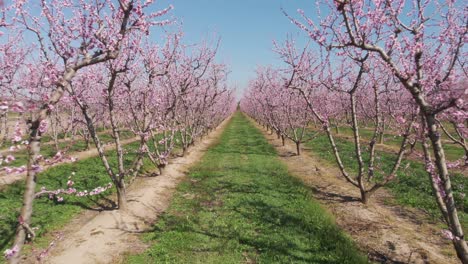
[(395, 67), (80, 67)]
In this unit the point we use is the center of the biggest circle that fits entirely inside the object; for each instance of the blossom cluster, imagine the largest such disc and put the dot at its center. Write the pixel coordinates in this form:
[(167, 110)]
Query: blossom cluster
[(57, 194)]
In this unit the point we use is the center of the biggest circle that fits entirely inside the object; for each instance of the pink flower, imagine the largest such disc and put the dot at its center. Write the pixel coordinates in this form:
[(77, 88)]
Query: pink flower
[(9, 159), (18, 133), (20, 169), (11, 252), (43, 126), (16, 138), (18, 107), (400, 119), (449, 235), (3, 106), (36, 168)]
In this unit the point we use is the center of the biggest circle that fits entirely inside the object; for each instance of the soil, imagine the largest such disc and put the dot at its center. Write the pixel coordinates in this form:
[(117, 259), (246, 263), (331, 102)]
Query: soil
[(105, 236), (388, 233)]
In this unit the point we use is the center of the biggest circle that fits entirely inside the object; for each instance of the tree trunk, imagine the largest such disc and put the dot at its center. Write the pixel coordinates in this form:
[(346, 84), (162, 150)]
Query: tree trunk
[(283, 140), (34, 151), (298, 148), (441, 164), (28, 198), (5, 133), (382, 133), (121, 195), (87, 144), (165, 140), (466, 157), (56, 143), (364, 196)]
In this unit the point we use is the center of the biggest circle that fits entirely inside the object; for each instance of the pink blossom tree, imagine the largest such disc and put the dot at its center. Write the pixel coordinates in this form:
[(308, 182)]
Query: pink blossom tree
[(421, 43), (70, 36), (284, 110)]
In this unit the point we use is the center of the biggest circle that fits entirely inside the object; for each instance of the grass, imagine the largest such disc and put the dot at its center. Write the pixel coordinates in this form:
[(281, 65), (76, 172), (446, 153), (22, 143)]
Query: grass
[(48, 150), (452, 151), (240, 205), (412, 187), (49, 215)]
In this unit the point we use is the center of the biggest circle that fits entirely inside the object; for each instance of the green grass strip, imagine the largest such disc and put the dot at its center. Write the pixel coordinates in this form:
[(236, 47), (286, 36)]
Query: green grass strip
[(240, 205)]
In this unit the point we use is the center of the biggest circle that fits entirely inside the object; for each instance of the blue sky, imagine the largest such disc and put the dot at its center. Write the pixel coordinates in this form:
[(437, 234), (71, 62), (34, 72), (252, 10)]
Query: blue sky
[(246, 27)]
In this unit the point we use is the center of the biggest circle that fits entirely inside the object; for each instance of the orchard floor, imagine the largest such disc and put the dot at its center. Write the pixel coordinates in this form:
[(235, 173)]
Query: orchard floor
[(389, 233), (239, 204), (232, 199), (104, 236)]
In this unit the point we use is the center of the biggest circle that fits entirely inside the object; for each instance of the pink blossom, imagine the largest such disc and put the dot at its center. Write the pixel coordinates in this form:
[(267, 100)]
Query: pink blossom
[(8, 170), (9, 159), (400, 119), (11, 252), (18, 107), (70, 183), (43, 126), (18, 133), (449, 235), (20, 170), (37, 168), (3, 106)]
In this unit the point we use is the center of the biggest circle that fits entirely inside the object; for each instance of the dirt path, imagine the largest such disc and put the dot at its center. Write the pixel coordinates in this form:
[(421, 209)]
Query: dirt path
[(390, 234), (102, 237), (6, 179)]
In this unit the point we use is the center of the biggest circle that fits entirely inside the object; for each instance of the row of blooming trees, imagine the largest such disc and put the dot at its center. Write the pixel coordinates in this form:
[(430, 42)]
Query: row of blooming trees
[(380, 64), (75, 67), (350, 95)]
